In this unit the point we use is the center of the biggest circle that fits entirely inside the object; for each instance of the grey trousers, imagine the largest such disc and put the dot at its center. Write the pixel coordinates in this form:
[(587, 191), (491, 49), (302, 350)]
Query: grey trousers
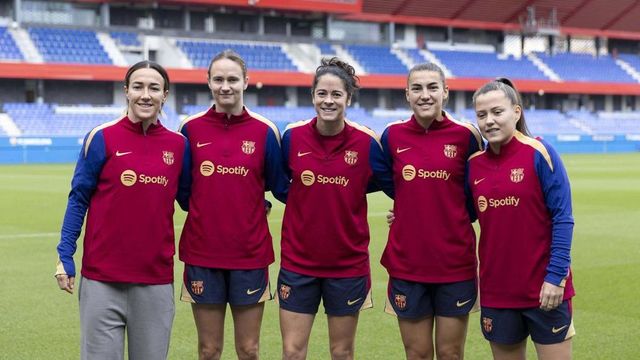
[(108, 310)]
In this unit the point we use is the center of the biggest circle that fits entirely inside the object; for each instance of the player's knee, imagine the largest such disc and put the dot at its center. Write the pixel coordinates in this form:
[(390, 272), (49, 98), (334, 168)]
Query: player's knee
[(293, 352), (209, 351), (449, 353), (418, 354), (293, 355), (248, 351), (341, 353), (452, 355)]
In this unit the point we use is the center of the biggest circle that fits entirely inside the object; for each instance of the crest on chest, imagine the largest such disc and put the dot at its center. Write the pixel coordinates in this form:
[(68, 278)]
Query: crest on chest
[(450, 151), (167, 157), (248, 147), (351, 157), (517, 175)]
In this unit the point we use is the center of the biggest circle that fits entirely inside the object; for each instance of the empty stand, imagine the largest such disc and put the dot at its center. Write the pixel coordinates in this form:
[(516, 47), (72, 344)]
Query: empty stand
[(633, 60), (54, 120), (415, 56), (125, 38), (8, 48), (256, 56), (487, 65), (377, 59), (77, 120), (69, 46), (325, 48), (584, 67)]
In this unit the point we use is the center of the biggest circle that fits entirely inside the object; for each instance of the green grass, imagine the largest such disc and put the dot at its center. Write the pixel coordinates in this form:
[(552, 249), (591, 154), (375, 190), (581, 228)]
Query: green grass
[(38, 321)]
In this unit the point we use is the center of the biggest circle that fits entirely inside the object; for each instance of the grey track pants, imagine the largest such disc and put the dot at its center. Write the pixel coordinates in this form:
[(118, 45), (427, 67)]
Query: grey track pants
[(108, 310)]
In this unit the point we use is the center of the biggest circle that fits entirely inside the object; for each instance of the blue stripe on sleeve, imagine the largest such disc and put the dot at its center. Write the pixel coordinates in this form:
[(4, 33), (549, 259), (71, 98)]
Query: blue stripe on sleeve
[(184, 185), (383, 177), (557, 194), (384, 166), (286, 144), (83, 184), (275, 176)]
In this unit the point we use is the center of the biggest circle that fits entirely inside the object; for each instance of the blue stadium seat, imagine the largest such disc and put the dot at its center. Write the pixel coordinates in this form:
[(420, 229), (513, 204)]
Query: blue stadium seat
[(8, 48), (377, 59), (415, 55), (325, 49), (633, 60), (69, 46), (256, 56), (126, 38), (488, 65), (584, 67), (44, 119)]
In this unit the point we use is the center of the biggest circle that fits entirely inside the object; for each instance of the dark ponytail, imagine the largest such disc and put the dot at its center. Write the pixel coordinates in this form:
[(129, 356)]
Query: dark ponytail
[(509, 90)]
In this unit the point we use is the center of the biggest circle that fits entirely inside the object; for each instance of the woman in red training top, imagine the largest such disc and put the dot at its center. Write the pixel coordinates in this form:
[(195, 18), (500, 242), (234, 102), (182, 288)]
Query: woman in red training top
[(127, 177), (325, 234), (430, 255), (226, 244), (523, 200)]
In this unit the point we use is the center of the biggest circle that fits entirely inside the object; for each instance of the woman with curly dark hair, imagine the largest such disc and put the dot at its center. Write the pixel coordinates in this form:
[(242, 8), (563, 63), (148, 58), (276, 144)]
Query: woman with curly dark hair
[(332, 162)]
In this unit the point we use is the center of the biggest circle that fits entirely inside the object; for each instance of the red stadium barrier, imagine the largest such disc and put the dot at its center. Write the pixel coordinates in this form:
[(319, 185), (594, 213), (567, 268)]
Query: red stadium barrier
[(273, 78)]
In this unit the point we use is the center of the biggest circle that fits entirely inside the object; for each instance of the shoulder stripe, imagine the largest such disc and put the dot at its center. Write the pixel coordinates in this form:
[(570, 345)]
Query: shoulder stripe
[(364, 129), (266, 122), (189, 118), (95, 131), (297, 124), (471, 128), (537, 145), (397, 122), (476, 154)]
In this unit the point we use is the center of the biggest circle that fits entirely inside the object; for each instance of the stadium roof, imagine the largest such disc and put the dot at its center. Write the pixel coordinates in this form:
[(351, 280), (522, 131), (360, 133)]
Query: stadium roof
[(607, 18), (612, 18)]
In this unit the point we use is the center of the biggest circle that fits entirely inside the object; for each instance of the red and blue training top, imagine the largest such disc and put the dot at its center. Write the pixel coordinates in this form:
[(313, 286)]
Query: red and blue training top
[(325, 231), (128, 180), (235, 160), (523, 201), (431, 239)]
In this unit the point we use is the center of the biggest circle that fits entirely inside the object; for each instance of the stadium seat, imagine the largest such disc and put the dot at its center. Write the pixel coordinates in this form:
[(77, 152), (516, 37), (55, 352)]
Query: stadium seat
[(257, 56), (77, 120), (8, 48), (584, 67), (488, 65), (377, 59), (69, 46)]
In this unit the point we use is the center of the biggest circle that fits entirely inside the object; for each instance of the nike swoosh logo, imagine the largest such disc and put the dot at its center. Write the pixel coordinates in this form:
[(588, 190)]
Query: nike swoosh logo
[(199, 144), (461, 304), (301, 154), (351, 302), (398, 150), (477, 181), (555, 331), (251, 292), (118, 153)]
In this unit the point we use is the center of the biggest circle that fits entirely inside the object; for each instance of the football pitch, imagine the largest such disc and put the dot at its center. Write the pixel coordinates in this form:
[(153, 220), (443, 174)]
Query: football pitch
[(38, 321)]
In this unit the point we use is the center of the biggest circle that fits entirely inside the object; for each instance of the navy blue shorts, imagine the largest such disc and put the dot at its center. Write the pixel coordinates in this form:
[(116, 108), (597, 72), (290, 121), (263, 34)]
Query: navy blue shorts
[(340, 296), (512, 326), (220, 286), (414, 300)]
